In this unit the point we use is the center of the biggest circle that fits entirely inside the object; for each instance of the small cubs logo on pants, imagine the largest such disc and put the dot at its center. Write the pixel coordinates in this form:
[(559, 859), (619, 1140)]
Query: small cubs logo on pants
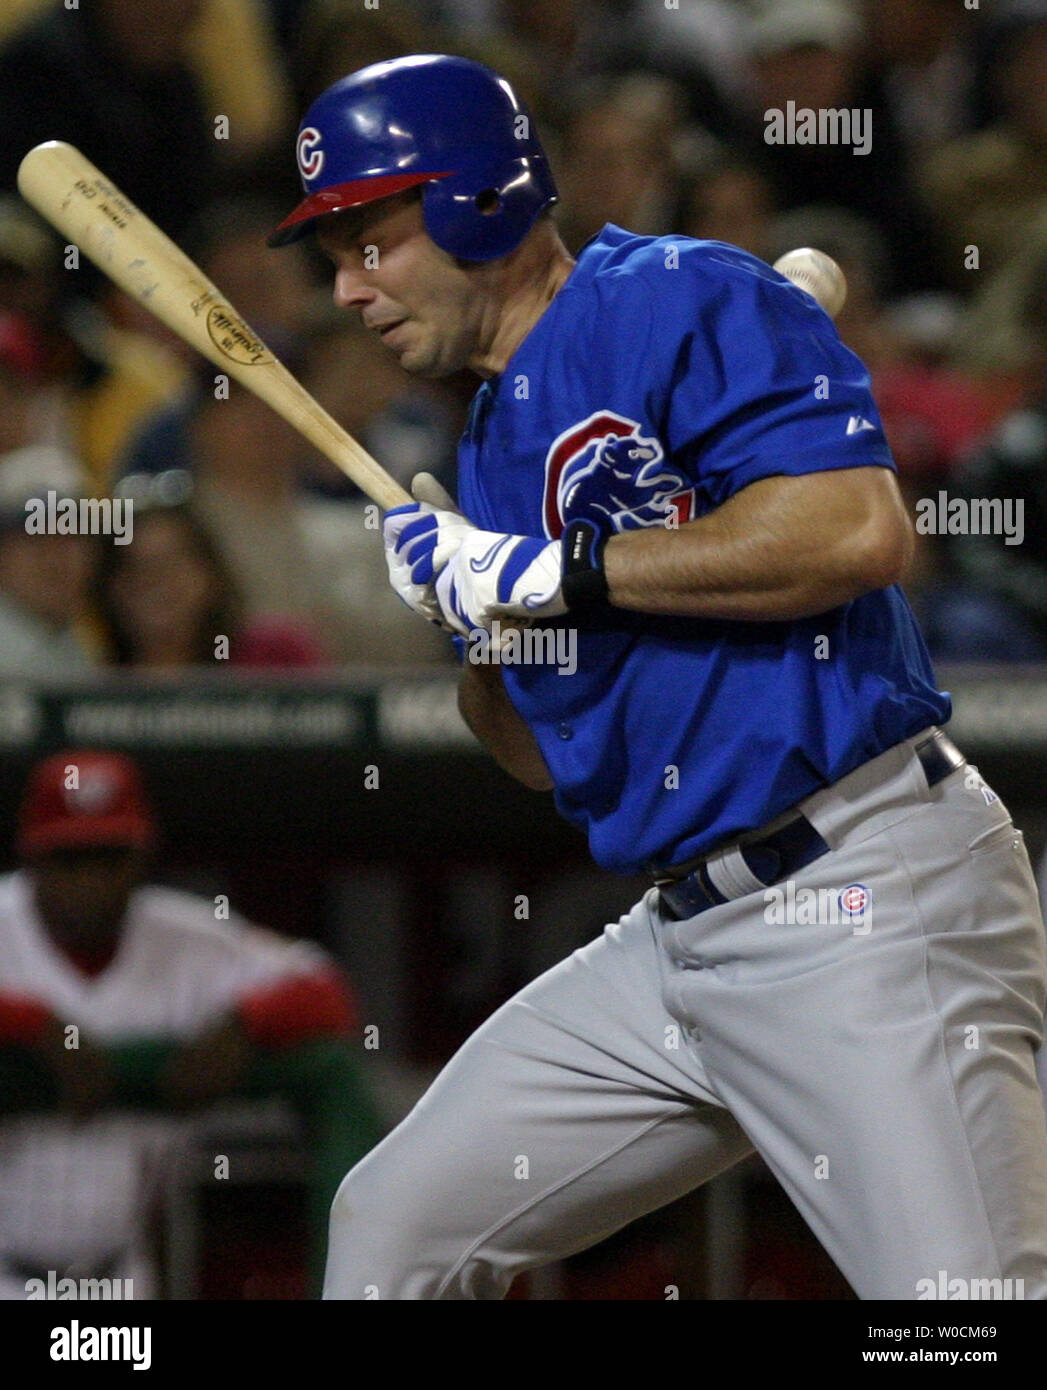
[(854, 899), (856, 907), (604, 470)]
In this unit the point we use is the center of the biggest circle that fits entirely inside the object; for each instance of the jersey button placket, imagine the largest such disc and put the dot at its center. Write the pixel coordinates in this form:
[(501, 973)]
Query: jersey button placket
[(565, 731)]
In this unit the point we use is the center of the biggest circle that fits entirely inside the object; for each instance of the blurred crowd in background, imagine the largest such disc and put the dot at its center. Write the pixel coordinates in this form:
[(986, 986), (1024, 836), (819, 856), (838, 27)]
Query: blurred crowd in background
[(654, 118)]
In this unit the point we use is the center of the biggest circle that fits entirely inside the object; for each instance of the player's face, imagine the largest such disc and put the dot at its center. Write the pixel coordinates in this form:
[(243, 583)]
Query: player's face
[(423, 304), (82, 894)]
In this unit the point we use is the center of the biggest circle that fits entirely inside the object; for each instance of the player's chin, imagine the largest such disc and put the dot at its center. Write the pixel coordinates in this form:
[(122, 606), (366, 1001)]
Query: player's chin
[(426, 360)]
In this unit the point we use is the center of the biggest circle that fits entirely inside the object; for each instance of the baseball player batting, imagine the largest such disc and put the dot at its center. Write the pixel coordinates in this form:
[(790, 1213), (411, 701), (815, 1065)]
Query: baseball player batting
[(840, 960)]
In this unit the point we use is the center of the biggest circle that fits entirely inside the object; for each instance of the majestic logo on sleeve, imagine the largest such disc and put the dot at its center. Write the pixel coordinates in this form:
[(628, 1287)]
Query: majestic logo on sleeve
[(606, 471)]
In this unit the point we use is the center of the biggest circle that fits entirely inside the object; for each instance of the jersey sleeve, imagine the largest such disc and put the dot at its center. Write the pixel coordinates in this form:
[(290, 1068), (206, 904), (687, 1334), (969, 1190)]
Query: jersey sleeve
[(286, 992), (754, 379), (317, 1004), (23, 1018), (283, 990)]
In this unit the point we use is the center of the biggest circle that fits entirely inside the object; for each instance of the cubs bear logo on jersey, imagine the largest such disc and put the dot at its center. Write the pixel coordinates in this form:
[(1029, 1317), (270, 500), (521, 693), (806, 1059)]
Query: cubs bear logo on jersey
[(606, 471)]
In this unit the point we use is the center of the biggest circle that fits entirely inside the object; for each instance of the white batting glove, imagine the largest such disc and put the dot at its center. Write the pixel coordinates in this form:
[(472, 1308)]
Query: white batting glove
[(494, 576), (420, 537)]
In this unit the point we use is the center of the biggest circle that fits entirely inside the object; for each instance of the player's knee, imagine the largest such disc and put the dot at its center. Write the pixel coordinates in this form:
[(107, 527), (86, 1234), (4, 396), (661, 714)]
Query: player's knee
[(356, 1203), (371, 1254), (388, 1239), (373, 1226)]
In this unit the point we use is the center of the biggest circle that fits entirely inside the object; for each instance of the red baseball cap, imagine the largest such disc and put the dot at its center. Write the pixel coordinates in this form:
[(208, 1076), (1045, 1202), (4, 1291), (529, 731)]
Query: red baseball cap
[(83, 798)]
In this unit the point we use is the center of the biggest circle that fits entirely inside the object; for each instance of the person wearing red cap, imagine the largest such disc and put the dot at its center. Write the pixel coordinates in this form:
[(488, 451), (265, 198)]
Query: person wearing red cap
[(124, 1005)]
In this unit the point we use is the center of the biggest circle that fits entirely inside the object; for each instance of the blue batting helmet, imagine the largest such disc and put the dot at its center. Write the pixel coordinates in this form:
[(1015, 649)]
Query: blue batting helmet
[(450, 125)]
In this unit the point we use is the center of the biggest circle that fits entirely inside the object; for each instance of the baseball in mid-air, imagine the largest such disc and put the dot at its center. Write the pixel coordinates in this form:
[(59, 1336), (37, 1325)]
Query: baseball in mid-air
[(816, 273)]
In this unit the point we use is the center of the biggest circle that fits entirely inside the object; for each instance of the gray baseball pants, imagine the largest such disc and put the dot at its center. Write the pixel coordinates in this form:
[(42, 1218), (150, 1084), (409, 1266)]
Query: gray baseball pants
[(882, 1066)]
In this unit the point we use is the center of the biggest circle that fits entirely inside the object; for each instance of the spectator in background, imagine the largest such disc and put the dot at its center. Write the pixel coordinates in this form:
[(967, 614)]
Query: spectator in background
[(45, 580), (813, 53), (29, 261), (168, 603), (619, 160), (35, 351), (278, 299), (116, 379), (934, 410), (88, 383), (23, 416), (111, 77), (337, 37), (924, 68), (997, 337), (148, 51), (243, 462), (960, 621), (252, 90), (722, 196), (1012, 466), (542, 47), (227, 241), (700, 45), (313, 561), (406, 423), (988, 189), (174, 1009)]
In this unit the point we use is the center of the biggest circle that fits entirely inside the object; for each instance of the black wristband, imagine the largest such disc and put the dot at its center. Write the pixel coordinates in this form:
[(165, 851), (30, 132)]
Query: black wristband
[(583, 582)]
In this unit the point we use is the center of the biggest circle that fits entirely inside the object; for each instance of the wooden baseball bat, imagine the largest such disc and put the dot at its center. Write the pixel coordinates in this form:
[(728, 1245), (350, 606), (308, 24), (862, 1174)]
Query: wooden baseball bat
[(85, 207)]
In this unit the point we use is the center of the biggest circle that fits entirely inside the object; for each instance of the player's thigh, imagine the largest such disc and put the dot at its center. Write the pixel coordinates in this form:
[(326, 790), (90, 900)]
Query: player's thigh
[(577, 1107), (901, 1109)]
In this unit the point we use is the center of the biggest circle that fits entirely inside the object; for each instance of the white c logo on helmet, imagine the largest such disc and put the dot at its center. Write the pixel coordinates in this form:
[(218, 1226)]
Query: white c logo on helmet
[(310, 156)]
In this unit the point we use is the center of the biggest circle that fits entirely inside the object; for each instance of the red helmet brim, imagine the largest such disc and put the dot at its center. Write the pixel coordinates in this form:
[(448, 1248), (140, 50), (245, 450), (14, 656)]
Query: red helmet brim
[(341, 196)]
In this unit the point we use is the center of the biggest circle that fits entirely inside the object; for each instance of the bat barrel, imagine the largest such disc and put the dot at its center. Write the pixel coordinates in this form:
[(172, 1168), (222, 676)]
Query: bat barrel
[(87, 208)]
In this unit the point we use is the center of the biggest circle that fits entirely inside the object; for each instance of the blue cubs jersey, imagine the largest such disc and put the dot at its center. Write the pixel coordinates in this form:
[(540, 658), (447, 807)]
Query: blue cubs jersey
[(666, 375)]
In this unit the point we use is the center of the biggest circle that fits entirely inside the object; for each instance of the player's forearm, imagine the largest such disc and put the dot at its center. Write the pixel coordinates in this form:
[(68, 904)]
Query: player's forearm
[(490, 714), (781, 549)]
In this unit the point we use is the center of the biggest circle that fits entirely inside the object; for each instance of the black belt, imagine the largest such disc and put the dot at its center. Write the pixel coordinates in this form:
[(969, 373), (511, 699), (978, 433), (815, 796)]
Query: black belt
[(789, 849)]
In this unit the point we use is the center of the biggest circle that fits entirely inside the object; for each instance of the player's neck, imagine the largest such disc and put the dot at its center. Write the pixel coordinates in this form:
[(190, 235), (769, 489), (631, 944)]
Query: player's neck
[(89, 952), (529, 290)]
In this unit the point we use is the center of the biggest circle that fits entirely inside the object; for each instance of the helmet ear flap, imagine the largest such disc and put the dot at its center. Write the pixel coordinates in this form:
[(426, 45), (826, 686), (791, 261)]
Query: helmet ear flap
[(483, 216)]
